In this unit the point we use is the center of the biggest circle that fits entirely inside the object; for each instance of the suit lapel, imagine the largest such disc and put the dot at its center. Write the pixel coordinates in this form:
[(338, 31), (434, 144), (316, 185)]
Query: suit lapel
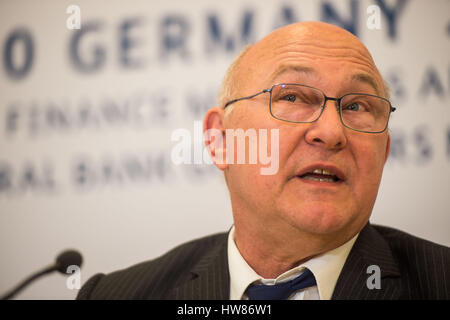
[(209, 279), (370, 249)]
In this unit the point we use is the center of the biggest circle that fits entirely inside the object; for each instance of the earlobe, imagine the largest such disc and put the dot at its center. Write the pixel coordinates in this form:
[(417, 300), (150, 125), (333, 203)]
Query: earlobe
[(214, 135)]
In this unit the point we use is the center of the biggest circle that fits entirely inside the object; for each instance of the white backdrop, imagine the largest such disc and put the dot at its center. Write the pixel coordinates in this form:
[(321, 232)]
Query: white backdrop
[(86, 117)]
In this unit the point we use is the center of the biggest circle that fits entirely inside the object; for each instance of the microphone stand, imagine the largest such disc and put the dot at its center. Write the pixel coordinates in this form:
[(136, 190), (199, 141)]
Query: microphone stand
[(27, 281)]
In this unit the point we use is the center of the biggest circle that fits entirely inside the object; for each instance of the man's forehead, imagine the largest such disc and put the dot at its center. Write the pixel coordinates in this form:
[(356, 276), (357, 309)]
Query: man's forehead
[(292, 48)]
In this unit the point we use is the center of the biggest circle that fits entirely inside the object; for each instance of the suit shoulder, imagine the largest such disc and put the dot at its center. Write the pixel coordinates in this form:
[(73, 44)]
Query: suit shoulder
[(424, 264), (152, 279), (400, 239)]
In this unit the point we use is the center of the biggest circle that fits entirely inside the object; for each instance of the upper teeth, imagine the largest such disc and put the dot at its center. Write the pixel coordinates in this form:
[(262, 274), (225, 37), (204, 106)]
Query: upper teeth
[(322, 171)]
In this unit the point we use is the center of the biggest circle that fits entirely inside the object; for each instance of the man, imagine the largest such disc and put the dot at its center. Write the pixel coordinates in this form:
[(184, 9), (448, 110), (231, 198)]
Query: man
[(302, 232)]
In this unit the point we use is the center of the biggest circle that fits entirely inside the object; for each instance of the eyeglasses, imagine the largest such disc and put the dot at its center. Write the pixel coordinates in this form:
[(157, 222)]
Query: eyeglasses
[(298, 103)]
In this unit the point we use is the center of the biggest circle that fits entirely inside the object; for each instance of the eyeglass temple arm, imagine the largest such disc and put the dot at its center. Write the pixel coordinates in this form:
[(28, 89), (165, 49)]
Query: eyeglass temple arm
[(244, 98)]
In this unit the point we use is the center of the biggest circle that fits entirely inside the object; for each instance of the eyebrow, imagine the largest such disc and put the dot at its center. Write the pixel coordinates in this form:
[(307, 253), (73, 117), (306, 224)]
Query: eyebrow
[(358, 77), (366, 78)]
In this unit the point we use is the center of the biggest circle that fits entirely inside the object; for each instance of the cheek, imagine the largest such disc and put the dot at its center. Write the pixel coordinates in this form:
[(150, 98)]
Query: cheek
[(261, 191), (369, 160), (291, 140), (252, 190)]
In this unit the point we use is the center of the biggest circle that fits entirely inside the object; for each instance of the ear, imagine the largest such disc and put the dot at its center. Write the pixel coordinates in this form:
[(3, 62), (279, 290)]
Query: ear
[(214, 134), (388, 146)]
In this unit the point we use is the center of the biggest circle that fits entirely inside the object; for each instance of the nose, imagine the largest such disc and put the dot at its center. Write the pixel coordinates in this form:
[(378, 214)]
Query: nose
[(328, 131)]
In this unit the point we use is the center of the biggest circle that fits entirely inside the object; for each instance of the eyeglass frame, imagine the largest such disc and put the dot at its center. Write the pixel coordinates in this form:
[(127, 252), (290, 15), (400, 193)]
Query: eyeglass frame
[(326, 98)]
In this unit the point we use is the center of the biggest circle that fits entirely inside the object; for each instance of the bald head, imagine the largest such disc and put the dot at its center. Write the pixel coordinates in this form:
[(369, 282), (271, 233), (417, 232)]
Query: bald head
[(301, 46)]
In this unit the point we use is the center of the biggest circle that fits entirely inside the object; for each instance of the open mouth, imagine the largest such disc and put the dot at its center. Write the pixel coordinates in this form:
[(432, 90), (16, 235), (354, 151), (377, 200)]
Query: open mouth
[(320, 175)]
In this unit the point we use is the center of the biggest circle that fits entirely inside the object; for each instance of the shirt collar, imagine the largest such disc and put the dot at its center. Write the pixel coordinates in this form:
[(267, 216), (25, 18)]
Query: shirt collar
[(325, 267)]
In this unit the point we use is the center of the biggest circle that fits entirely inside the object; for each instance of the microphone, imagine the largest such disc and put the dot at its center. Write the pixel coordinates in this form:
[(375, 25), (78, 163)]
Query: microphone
[(63, 261)]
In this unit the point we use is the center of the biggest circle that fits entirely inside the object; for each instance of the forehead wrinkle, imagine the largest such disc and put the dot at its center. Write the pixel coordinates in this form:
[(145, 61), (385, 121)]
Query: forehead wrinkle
[(289, 67), (330, 53), (366, 73), (315, 51), (362, 72), (320, 44)]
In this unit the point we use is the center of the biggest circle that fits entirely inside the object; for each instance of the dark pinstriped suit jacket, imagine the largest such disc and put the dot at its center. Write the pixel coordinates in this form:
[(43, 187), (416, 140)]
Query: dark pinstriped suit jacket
[(411, 268)]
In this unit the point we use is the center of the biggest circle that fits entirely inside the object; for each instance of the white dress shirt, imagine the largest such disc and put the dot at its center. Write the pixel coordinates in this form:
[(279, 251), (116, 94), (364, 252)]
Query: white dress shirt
[(325, 267)]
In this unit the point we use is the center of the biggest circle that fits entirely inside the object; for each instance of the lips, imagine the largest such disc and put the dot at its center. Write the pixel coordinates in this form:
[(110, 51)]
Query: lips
[(322, 173)]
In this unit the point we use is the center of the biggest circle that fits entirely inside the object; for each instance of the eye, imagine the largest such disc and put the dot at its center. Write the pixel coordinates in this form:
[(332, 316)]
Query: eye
[(289, 97), (353, 107)]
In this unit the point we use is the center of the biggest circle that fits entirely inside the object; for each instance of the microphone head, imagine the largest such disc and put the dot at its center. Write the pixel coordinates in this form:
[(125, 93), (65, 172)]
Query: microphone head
[(68, 258)]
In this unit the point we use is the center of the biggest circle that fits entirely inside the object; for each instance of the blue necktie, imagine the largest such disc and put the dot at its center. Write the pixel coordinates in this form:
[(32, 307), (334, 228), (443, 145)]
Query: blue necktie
[(281, 291)]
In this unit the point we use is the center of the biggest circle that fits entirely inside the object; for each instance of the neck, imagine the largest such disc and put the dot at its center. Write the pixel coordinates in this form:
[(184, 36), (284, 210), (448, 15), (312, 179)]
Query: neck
[(275, 250)]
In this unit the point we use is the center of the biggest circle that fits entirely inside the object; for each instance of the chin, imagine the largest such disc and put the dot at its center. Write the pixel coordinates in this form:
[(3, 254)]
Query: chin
[(321, 219)]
